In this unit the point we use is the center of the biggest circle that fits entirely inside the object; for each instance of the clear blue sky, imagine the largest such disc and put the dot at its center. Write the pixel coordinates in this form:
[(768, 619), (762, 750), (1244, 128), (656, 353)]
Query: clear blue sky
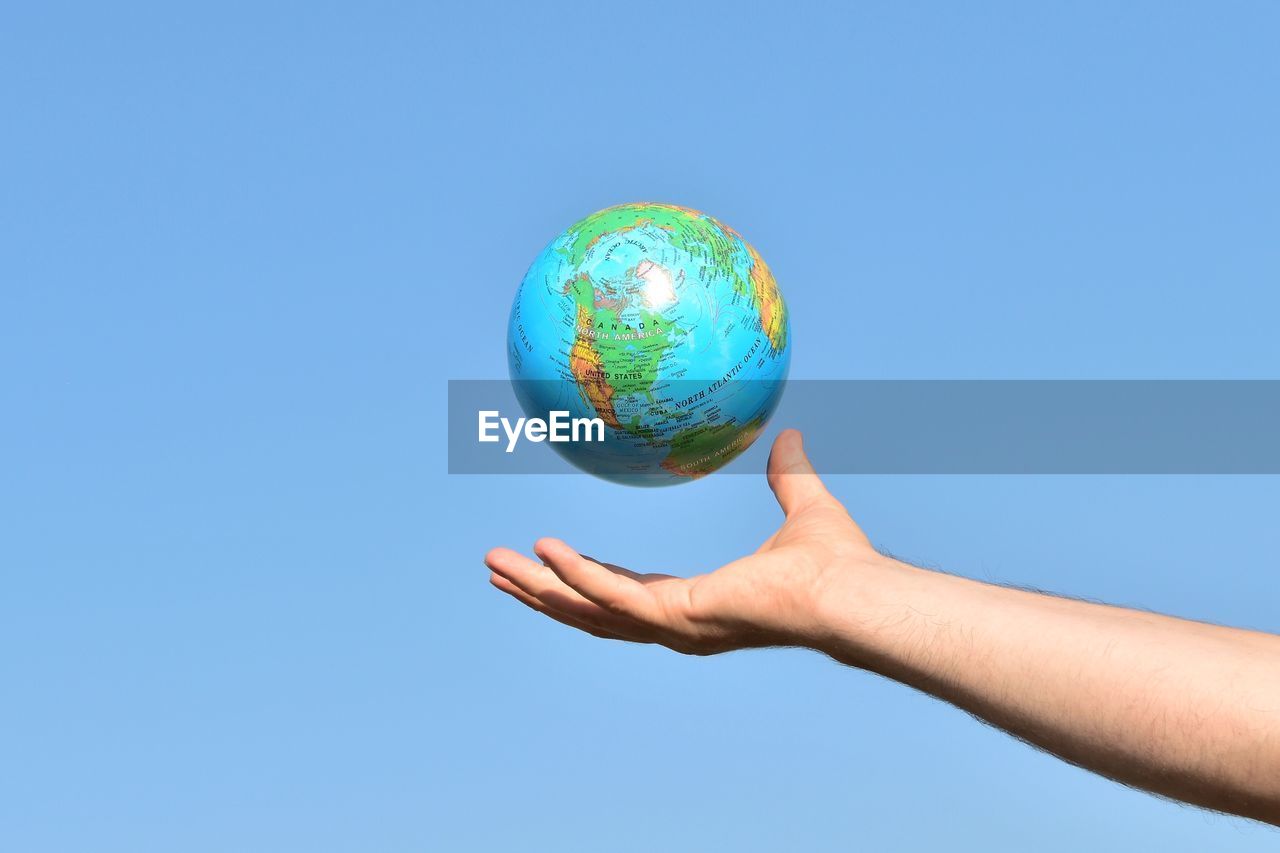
[(243, 246)]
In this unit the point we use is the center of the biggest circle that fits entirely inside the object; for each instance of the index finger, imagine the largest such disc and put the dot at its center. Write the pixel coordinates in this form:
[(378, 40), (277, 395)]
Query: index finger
[(618, 593)]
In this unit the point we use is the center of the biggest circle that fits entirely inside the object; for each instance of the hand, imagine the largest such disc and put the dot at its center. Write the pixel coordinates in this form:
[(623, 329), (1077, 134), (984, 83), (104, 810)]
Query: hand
[(768, 598)]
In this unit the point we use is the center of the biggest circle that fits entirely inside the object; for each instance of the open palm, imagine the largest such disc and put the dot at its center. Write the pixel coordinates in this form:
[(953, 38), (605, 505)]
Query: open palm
[(761, 599)]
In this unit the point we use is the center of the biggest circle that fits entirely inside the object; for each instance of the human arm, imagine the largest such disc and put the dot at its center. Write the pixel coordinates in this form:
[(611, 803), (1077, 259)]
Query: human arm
[(1184, 709)]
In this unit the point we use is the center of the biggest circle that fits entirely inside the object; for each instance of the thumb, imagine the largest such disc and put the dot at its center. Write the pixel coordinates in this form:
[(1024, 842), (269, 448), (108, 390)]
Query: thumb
[(794, 482)]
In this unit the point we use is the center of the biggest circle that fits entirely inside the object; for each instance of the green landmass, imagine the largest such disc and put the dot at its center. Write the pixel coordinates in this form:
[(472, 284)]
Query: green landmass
[(701, 237), (630, 361), (698, 451)]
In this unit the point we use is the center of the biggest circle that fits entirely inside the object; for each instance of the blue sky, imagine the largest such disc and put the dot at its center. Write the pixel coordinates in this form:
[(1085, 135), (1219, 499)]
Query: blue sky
[(243, 247)]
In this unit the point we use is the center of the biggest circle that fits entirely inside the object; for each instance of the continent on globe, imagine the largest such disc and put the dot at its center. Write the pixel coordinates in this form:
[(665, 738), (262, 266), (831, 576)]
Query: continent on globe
[(662, 322)]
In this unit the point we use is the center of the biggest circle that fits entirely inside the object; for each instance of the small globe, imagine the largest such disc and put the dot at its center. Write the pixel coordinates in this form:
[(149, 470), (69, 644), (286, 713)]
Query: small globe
[(662, 323)]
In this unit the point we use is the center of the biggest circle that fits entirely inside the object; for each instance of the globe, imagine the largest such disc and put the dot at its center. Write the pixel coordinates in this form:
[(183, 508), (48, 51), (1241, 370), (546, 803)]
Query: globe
[(662, 324)]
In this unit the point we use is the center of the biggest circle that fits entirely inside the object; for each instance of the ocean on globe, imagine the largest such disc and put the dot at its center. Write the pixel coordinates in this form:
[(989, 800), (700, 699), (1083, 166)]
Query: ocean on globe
[(663, 323)]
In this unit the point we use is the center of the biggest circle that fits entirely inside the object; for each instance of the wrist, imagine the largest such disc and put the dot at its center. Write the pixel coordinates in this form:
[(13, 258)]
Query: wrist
[(861, 604)]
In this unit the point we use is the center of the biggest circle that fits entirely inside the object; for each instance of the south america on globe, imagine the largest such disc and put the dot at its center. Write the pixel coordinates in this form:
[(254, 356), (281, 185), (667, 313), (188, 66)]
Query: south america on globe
[(660, 321)]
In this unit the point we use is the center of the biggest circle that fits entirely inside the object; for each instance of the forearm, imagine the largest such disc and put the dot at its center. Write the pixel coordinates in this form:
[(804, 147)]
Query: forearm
[(1180, 708)]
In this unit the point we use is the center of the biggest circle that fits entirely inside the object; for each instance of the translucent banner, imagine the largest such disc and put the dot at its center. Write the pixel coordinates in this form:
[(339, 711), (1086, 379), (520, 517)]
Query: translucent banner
[(651, 434)]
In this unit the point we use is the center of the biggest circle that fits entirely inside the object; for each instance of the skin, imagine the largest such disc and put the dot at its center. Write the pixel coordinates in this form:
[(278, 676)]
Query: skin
[(1183, 709)]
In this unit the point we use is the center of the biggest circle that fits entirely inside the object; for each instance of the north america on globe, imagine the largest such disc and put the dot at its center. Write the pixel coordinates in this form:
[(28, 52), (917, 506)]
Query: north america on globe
[(664, 323)]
